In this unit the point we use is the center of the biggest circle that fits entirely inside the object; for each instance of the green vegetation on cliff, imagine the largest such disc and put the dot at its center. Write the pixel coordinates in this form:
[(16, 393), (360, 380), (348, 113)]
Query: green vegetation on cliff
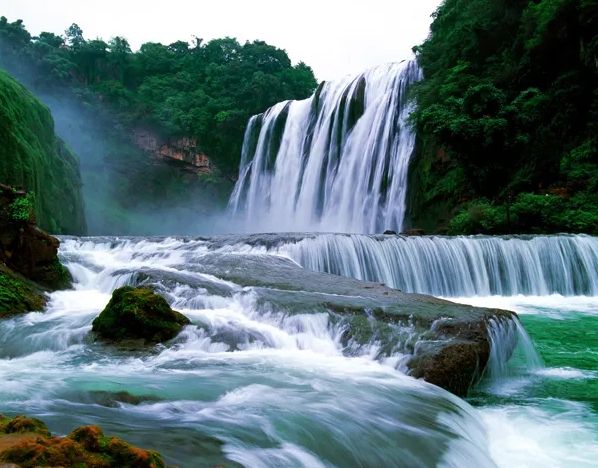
[(35, 159), (507, 118), (118, 108)]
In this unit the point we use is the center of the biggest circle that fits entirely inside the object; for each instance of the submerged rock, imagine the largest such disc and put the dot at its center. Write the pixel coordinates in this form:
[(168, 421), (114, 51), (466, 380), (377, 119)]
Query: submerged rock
[(113, 399), (27, 443), (138, 314)]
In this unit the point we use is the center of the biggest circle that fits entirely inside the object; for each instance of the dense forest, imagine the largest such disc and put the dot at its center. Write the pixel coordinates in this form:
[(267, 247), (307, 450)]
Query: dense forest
[(34, 157), (103, 95), (507, 118)]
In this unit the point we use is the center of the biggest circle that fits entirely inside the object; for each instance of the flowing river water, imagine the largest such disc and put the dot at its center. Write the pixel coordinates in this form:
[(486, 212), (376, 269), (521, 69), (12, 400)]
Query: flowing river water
[(256, 384)]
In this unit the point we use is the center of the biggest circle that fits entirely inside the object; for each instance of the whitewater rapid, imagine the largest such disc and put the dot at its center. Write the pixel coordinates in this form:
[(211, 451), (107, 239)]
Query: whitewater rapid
[(276, 388), (255, 384)]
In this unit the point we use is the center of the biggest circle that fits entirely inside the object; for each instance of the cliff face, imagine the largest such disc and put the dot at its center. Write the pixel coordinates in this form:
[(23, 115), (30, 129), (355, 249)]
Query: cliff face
[(35, 159), (182, 152), (29, 262)]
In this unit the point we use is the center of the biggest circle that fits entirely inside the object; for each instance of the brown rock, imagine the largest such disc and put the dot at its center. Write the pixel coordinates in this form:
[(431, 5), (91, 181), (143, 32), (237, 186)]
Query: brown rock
[(183, 151), (413, 232), (27, 443), (24, 248)]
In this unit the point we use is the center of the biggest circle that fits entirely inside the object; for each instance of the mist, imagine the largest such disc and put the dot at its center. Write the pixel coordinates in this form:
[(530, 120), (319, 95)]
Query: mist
[(127, 191)]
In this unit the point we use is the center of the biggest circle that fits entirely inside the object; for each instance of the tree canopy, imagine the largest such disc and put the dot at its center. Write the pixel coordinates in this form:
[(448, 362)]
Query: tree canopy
[(509, 106), (207, 91)]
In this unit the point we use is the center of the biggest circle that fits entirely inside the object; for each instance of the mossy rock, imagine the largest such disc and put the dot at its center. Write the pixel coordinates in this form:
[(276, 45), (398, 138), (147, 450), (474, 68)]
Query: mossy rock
[(84, 447), (138, 314), (24, 248), (17, 295), (22, 425)]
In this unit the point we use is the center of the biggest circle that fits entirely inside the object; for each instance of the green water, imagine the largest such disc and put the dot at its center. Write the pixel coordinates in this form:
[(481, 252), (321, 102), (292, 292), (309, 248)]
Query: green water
[(570, 344), (547, 417)]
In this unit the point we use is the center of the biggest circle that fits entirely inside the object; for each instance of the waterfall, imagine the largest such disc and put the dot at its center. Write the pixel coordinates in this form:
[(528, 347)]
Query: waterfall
[(334, 162), (505, 336), (457, 266)]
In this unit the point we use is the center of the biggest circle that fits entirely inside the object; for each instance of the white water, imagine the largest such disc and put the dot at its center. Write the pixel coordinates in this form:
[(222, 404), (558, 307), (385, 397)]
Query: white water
[(319, 164), (457, 266), (276, 388)]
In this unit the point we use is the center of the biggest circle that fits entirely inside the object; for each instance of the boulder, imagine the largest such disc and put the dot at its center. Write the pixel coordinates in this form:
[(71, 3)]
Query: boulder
[(448, 343), (27, 443), (138, 314), (18, 295), (413, 232), (25, 249)]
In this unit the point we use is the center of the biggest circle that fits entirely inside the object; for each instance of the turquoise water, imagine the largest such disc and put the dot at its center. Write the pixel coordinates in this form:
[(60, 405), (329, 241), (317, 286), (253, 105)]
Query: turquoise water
[(547, 417), (257, 386)]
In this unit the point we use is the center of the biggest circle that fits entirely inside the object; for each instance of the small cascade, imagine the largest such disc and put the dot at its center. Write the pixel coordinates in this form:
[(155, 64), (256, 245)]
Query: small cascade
[(506, 337), (456, 266), (334, 162)]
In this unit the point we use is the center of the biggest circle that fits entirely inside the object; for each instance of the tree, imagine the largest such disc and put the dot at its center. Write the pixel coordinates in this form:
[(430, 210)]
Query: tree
[(74, 35)]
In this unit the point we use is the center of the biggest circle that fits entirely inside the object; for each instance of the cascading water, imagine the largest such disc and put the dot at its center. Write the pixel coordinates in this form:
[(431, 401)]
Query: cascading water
[(456, 266), (335, 162), (505, 336), (276, 387), (274, 382)]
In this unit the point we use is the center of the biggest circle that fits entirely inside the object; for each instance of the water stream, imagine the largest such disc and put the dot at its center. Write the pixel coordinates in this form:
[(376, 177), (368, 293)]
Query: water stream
[(260, 385)]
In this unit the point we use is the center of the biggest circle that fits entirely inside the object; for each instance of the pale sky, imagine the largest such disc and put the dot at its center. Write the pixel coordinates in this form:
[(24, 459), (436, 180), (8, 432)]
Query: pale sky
[(334, 37)]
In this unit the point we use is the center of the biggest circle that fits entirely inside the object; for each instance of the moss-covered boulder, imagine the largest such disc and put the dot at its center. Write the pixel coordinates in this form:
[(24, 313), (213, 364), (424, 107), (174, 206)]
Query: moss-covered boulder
[(138, 314), (17, 295), (35, 159), (28, 443), (24, 248), (23, 425)]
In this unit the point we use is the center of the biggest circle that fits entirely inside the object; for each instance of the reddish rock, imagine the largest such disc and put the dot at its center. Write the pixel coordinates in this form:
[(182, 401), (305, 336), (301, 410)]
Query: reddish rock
[(183, 150), (24, 248), (27, 443)]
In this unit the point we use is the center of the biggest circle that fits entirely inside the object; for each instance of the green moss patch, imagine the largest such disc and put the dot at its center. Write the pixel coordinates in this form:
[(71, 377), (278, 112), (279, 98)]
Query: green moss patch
[(138, 314), (17, 296)]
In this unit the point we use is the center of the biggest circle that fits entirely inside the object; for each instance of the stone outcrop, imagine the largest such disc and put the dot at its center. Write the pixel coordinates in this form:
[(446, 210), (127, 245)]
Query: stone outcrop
[(182, 151), (27, 443), (448, 344), (413, 232), (29, 262), (138, 314), (24, 248)]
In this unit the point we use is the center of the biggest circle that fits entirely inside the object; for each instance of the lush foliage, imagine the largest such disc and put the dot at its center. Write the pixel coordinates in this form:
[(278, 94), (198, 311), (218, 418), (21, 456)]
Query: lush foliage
[(35, 159), (23, 208), (528, 213), (203, 90), (103, 95), (507, 114)]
